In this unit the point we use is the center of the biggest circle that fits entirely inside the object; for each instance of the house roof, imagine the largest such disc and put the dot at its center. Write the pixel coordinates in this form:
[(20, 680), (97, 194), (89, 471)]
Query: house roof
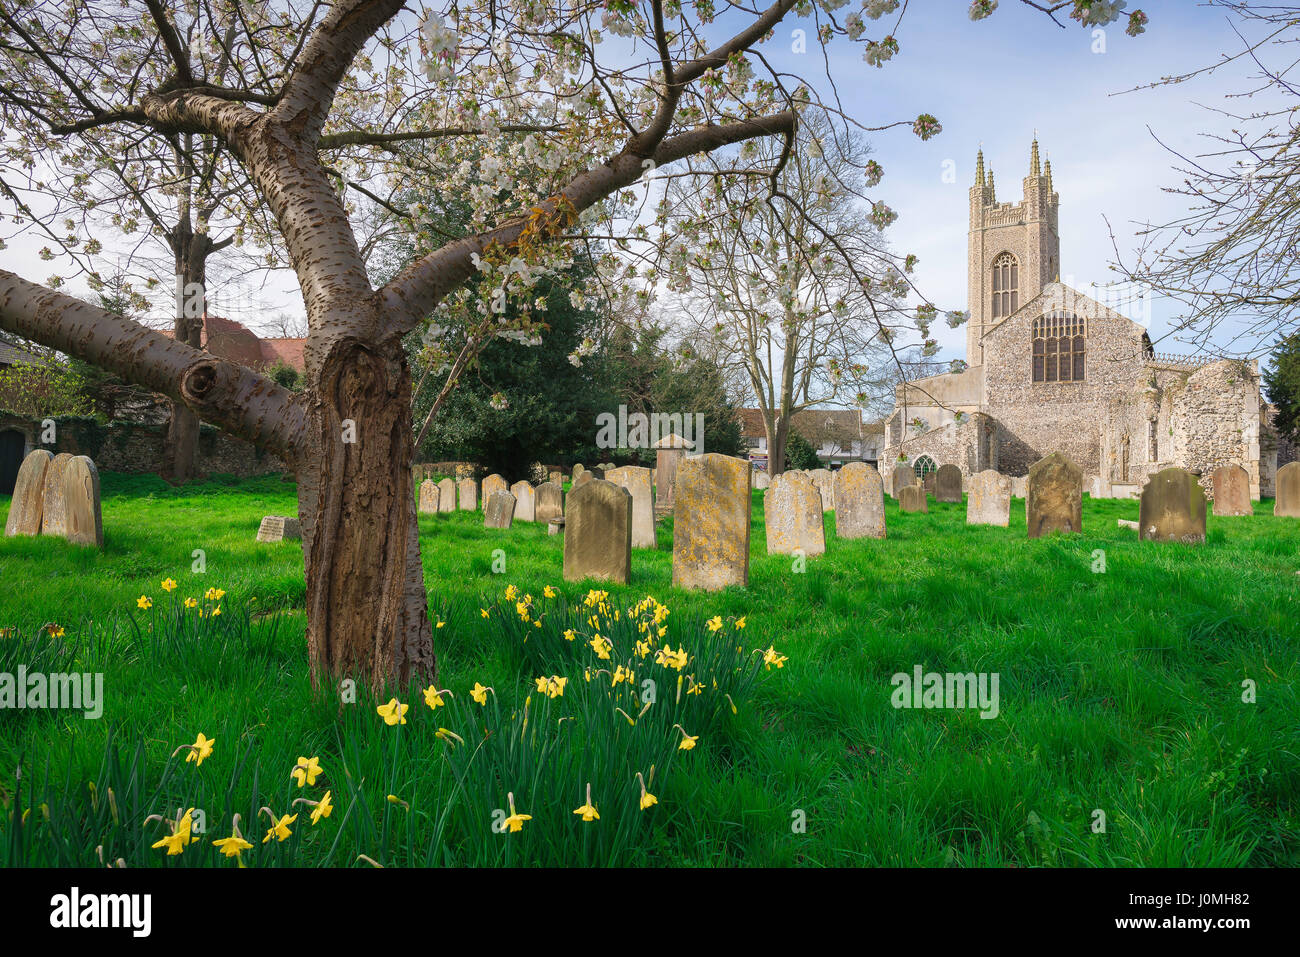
[(233, 340), (841, 426), (12, 355)]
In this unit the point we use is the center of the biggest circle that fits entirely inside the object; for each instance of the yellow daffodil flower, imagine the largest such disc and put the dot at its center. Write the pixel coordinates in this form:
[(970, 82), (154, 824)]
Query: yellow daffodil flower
[(433, 698), (515, 822), (771, 657), (483, 612), (215, 594), (180, 836), (200, 749), (740, 624), (144, 603), (306, 771), (168, 585), (549, 592), (479, 693), (191, 602), (588, 811), (394, 712), (714, 623), (323, 809), (280, 829), (569, 634)]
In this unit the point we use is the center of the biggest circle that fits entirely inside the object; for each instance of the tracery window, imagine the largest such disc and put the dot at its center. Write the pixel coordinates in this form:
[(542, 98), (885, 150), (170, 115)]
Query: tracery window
[(1059, 348), (1006, 285), (923, 466)]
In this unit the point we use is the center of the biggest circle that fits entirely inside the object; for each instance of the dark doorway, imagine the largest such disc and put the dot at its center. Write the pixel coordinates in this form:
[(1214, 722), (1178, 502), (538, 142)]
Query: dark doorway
[(12, 443)]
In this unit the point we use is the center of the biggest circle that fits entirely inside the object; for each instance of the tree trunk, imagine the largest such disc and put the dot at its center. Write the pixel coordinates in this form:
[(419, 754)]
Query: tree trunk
[(367, 609), (181, 453), (777, 433)]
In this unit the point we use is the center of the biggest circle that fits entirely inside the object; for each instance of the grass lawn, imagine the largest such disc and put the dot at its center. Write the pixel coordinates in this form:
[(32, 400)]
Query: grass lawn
[(1121, 697)]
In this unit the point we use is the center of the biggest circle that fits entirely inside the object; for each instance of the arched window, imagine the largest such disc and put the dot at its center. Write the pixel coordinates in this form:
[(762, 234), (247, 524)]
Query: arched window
[(1006, 285), (1060, 344), (923, 466)]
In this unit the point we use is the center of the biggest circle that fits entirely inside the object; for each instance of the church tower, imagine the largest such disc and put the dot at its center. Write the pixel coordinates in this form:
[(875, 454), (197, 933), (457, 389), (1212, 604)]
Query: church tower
[(1013, 251)]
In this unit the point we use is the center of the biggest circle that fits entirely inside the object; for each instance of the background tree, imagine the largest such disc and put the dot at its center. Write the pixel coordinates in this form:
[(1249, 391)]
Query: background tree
[(799, 453), (40, 391), (344, 80), (1282, 385)]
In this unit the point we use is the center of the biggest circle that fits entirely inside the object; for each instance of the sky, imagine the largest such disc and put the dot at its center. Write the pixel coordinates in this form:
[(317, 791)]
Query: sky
[(993, 82)]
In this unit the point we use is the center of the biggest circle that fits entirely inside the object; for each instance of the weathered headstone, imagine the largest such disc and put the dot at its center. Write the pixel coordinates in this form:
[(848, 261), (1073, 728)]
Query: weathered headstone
[(54, 512), (1172, 508), (555, 526), (278, 528), (550, 502), (577, 470), (669, 452), (493, 483), (903, 475), (525, 502), (711, 522), (429, 495), (1287, 484), (598, 532), (1054, 500), (859, 502), (792, 514), (446, 495), (81, 497), (947, 484), (825, 481), (927, 482), (1020, 486), (989, 500), (467, 494), (556, 478), (498, 509), (762, 479), (29, 495), (581, 478), (636, 480), (913, 498), (1231, 485)]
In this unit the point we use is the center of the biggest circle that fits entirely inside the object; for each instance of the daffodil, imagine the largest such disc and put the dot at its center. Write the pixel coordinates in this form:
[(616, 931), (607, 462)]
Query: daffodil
[(549, 592), (515, 822), (647, 799), (740, 624), (569, 634), (714, 623), (168, 585), (215, 594), (483, 612), (588, 811), (771, 657), (55, 631), (144, 603), (180, 836), (234, 845), (200, 749), (479, 693), (542, 683), (394, 712), (191, 602), (433, 697), (511, 593), (279, 829), (306, 771), (440, 624), (323, 809), (688, 740), (601, 647)]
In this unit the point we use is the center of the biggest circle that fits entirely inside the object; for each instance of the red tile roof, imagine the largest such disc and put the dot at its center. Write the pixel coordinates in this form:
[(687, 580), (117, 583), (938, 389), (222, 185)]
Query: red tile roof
[(228, 339)]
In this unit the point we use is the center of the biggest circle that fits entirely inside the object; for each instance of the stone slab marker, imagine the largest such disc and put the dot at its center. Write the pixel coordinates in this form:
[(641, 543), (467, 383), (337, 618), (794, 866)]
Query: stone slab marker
[(1287, 502), (525, 502), (278, 528), (859, 502), (550, 502), (467, 494), (947, 484), (577, 470), (913, 498), (902, 475), (989, 500), (598, 533), (581, 478), (636, 480), (711, 522), (492, 484), (762, 479), (498, 509), (1231, 485), (792, 514), (825, 480), (29, 494), (429, 495), (54, 512), (669, 452), (1172, 508), (81, 495), (1020, 486), (557, 478), (1054, 499), (446, 495)]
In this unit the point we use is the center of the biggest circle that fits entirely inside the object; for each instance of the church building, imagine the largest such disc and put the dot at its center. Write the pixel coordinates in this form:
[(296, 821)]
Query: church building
[(1050, 369)]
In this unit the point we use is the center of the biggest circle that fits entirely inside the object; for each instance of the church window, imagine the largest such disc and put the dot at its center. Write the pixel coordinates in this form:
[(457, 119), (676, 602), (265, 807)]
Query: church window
[(1060, 343), (1006, 285), (923, 466)]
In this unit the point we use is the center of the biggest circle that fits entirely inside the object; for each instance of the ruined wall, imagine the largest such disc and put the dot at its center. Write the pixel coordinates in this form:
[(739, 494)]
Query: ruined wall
[(970, 444)]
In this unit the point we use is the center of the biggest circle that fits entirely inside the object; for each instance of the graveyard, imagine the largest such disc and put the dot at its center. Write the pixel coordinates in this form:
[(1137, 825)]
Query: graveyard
[(1121, 664)]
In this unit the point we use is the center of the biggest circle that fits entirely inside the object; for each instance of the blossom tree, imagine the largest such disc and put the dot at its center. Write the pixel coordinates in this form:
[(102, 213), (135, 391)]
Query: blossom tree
[(592, 95)]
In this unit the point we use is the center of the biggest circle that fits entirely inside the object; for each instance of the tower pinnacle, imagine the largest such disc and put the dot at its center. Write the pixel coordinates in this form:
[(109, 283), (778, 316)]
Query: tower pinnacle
[(1034, 169), (979, 167)]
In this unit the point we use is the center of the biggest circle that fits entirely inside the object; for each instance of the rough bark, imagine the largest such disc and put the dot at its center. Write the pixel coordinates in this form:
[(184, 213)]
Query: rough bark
[(181, 452)]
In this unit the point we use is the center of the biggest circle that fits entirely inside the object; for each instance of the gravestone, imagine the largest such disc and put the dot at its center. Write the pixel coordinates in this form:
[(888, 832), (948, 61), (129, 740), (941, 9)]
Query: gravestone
[(467, 493), (989, 500), (498, 509), (913, 498), (859, 502), (525, 502), (1054, 500), (429, 496), (29, 495), (711, 522), (557, 478), (577, 470), (494, 483), (581, 478), (1231, 485), (1287, 484), (762, 479), (927, 482), (636, 480), (669, 452), (598, 533), (54, 513), (1172, 508), (81, 497), (947, 484), (792, 514), (278, 528), (550, 502), (902, 475), (825, 480), (446, 495), (1020, 486), (555, 526)]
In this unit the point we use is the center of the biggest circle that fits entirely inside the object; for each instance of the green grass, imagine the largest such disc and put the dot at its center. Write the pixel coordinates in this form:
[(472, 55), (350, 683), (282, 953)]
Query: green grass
[(1121, 691)]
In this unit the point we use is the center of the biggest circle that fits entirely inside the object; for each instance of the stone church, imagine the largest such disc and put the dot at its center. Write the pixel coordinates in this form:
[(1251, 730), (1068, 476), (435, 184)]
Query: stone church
[(1051, 369)]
